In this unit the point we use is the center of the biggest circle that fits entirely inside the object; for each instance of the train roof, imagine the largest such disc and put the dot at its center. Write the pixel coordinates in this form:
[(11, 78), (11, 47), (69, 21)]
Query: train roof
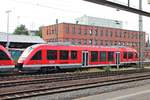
[(81, 47)]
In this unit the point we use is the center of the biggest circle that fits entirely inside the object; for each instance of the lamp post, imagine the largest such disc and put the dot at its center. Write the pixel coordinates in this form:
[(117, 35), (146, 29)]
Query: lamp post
[(140, 36), (57, 30), (7, 45)]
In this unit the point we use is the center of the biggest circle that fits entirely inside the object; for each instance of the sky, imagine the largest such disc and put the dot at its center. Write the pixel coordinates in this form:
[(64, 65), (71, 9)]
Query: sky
[(36, 13)]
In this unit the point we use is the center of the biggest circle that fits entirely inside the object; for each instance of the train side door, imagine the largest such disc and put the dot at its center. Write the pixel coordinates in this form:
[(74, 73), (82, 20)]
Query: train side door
[(85, 58), (117, 59)]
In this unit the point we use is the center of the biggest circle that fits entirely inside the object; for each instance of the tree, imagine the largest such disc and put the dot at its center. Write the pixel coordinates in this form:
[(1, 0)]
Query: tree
[(21, 30), (39, 32)]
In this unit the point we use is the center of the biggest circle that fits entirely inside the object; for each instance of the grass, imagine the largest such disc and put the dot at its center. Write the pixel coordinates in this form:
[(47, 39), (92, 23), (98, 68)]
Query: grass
[(103, 69)]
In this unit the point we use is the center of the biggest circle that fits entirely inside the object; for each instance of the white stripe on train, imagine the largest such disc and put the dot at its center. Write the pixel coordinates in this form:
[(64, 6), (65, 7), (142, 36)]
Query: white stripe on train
[(9, 66), (73, 65)]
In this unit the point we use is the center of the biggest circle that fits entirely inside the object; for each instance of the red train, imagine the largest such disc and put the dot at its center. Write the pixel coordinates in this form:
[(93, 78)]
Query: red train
[(47, 57), (6, 62)]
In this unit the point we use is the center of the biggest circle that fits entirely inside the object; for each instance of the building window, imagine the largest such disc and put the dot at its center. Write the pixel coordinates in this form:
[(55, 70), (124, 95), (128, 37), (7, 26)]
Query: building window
[(56, 29), (120, 34), (73, 29), (128, 35), (125, 34), (101, 34), (119, 42), (95, 42), (67, 40), (90, 41), (73, 41), (79, 29), (67, 28), (79, 41), (111, 34), (111, 42), (90, 31), (47, 31), (115, 42), (85, 31), (85, 42), (101, 42), (116, 34), (132, 35), (106, 42), (53, 31), (106, 33), (136, 36), (96, 32)]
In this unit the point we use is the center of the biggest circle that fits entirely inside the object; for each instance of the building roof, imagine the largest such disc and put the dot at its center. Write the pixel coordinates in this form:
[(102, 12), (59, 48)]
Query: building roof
[(20, 38), (95, 21)]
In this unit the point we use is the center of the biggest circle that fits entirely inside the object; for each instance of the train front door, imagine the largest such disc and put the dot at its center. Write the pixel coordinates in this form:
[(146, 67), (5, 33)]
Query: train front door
[(85, 58), (117, 59)]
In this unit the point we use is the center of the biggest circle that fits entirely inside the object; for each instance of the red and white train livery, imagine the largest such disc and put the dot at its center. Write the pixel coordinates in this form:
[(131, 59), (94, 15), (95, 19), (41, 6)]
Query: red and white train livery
[(6, 62), (47, 57)]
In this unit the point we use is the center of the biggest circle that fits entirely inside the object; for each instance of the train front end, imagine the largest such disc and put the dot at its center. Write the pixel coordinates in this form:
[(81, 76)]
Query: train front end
[(6, 62), (22, 59)]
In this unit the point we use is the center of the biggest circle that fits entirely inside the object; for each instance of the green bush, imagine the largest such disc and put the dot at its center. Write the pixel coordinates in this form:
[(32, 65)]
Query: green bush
[(107, 69)]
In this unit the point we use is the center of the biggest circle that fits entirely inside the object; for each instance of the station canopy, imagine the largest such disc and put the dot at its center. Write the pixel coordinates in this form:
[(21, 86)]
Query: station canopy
[(20, 38)]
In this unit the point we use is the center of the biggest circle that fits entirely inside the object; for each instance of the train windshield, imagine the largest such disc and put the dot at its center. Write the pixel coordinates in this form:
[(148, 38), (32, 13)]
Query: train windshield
[(26, 52)]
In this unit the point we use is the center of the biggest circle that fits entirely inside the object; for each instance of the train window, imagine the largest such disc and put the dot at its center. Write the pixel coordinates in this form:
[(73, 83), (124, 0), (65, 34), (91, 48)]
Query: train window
[(102, 56), (73, 55), (51, 54), (94, 56), (3, 56), (37, 56), (110, 56), (63, 55), (130, 55), (125, 55)]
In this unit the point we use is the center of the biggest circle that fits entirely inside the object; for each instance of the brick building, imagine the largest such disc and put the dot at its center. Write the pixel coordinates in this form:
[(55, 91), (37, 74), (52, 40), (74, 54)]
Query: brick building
[(91, 35)]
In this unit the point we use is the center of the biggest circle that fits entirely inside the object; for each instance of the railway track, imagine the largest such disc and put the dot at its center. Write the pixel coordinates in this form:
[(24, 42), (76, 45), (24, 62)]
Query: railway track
[(72, 85), (34, 76), (47, 78)]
